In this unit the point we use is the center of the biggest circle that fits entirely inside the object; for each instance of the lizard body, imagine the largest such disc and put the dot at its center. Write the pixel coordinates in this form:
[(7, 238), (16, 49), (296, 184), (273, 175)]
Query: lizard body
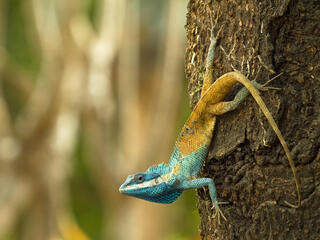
[(164, 183)]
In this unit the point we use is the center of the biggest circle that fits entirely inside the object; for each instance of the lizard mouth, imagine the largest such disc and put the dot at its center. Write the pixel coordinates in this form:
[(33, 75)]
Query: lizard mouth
[(121, 189), (135, 187), (128, 186)]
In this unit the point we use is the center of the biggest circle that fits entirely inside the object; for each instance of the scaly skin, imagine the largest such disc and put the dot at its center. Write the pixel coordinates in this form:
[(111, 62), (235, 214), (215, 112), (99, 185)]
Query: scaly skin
[(164, 183)]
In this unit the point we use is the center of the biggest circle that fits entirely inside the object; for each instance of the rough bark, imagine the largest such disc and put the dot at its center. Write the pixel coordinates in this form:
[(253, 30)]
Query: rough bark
[(246, 160)]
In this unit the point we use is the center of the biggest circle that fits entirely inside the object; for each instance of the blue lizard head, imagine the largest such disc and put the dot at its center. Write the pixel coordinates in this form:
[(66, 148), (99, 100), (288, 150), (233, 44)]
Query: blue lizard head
[(151, 186)]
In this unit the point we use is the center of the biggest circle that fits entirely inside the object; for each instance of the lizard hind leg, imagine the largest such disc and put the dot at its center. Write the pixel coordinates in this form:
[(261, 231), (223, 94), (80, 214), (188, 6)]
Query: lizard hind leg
[(227, 106)]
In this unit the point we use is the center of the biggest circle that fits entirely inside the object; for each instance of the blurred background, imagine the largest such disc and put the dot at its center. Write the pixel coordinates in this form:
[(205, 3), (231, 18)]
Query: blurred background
[(90, 91)]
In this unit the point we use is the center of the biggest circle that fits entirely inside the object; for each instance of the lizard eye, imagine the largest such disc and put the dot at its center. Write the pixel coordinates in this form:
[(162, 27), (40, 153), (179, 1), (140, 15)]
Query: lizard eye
[(139, 178)]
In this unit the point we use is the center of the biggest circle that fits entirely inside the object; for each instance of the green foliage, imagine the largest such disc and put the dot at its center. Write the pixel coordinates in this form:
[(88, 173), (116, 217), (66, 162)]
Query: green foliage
[(17, 41), (85, 200), (92, 7)]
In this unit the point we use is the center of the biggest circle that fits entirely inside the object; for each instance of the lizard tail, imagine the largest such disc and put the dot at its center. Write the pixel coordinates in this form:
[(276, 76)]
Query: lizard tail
[(239, 77)]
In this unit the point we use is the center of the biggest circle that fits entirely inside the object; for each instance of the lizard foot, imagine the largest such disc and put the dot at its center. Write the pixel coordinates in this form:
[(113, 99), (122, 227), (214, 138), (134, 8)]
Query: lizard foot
[(264, 86), (218, 212)]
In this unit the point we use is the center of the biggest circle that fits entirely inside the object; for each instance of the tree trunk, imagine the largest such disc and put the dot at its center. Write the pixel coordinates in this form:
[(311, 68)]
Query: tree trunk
[(246, 160)]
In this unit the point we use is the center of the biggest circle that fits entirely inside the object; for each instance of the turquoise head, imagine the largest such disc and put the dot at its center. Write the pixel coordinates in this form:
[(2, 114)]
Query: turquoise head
[(152, 185)]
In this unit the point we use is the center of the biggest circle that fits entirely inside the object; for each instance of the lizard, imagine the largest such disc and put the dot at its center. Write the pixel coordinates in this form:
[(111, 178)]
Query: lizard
[(164, 183)]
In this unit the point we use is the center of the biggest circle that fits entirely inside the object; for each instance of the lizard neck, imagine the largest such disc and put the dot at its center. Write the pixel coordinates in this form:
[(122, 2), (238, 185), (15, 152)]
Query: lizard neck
[(188, 165)]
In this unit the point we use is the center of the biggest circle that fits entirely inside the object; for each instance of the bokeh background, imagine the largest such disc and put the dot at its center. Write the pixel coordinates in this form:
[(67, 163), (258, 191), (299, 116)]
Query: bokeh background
[(90, 91)]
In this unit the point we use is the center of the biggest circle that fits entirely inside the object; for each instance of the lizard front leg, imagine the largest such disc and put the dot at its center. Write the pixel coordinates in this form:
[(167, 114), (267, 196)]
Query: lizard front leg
[(205, 182)]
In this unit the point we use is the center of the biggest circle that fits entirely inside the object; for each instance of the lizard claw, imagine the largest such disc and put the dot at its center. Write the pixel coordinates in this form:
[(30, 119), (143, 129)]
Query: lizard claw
[(223, 203), (219, 212), (291, 205), (263, 87), (269, 88), (269, 81)]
